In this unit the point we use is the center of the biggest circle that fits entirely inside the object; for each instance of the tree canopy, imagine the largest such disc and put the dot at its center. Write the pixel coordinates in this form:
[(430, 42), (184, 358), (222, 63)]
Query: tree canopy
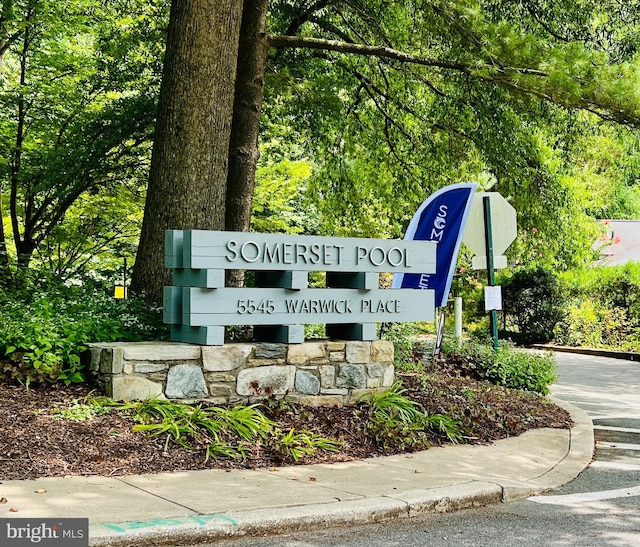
[(75, 127), (364, 107)]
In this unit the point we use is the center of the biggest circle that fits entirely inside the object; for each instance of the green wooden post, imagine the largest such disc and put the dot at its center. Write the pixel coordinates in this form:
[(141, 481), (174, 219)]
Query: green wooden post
[(493, 316)]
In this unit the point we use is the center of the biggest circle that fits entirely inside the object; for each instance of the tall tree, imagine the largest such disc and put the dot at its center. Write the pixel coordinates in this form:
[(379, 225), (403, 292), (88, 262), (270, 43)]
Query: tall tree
[(66, 129), (247, 108), (191, 145), (466, 74), (244, 149)]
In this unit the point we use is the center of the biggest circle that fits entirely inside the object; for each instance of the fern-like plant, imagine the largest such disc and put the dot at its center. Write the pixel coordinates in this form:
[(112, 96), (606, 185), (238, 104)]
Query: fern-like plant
[(395, 420)]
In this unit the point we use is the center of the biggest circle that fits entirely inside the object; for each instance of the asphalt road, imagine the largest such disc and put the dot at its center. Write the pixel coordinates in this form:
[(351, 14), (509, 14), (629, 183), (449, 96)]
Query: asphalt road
[(601, 507)]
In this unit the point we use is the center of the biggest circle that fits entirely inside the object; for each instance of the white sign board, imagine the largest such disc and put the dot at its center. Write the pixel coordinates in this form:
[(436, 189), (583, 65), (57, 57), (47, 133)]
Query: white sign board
[(493, 298), (504, 229)]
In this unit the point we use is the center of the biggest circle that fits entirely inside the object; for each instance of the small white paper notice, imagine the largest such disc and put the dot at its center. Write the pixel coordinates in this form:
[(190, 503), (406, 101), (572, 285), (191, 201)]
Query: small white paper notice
[(493, 298)]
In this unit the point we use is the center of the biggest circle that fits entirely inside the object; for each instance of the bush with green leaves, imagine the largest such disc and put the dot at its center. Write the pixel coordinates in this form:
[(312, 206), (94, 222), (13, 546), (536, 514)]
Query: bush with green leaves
[(534, 302), (580, 326), (604, 309), (593, 326), (509, 367), (608, 287), (529, 371), (45, 328)]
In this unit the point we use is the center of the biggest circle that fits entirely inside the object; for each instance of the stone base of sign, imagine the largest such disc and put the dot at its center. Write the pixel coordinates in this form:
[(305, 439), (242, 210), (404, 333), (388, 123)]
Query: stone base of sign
[(313, 373)]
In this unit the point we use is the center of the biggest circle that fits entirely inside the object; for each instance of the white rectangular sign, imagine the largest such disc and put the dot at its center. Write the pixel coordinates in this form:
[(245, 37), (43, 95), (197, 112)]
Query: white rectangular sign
[(493, 298)]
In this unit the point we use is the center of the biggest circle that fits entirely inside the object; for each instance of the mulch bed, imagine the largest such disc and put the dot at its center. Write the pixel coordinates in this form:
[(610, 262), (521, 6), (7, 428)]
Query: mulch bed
[(36, 442)]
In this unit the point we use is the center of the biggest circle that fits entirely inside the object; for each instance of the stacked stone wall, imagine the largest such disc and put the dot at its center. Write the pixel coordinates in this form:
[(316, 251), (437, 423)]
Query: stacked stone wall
[(313, 373)]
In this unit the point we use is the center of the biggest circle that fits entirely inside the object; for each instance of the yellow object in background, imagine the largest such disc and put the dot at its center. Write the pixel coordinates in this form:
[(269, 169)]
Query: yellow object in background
[(120, 292)]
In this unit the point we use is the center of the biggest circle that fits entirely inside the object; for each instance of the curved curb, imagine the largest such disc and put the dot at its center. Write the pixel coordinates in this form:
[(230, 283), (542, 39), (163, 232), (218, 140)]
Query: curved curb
[(454, 497), (578, 457), (613, 354), (582, 445), (304, 517)]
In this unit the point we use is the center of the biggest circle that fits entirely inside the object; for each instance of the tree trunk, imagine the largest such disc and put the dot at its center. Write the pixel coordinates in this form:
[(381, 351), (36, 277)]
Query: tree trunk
[(187, 179), (247, 106)]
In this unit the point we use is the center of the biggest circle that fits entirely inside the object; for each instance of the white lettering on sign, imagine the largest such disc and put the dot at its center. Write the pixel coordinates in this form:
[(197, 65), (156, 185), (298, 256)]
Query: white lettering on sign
[(423, 282), (439, 224)]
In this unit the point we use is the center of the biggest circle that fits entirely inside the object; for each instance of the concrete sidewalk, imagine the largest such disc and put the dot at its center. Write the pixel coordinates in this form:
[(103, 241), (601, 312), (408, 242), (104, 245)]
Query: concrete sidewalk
[(169, 508)]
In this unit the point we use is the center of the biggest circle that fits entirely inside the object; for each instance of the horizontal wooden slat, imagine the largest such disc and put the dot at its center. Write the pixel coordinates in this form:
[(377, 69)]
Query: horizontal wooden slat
[(209, 279), (260, 306), (252, 251)]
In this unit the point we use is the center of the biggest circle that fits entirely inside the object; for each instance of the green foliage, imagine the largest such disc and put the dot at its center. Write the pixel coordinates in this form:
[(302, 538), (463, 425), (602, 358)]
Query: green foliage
[(604, 308), (46, 326), (76, 127), (350, 144), (81, 410), (315, 331), (383, 135), (394, 420), (593, 326), (579, 327), (298, 444), (405, 341), (223, 432), (534, 301), (522, 370), (508, 367), (277, 197), (610, 286), (211, 427)]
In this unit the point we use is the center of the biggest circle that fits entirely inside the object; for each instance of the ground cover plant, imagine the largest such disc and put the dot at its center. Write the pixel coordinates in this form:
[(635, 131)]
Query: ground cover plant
[(46, 325), (55, 430)]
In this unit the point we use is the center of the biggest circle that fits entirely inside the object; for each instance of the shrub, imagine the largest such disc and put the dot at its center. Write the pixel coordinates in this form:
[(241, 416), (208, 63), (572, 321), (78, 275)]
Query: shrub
[(44, 332), (580, 326), (609, 287), (508, 367), (528, 371), (534, 302), (604, 309), (592, 326)]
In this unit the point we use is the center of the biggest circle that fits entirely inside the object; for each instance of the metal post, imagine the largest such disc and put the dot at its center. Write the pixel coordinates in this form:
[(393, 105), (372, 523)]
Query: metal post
[(457, 307), (440, 331), (124, 279), (493, 316)]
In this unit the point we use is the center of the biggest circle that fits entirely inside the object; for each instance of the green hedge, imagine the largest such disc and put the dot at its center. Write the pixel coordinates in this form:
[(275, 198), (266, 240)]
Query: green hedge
[(508, 366)]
